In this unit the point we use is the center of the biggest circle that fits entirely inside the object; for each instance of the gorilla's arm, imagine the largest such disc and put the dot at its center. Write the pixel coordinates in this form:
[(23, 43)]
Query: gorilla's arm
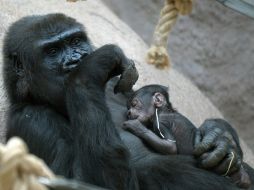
[(31, 123), (161, 145), (96, 135), (90, 119)]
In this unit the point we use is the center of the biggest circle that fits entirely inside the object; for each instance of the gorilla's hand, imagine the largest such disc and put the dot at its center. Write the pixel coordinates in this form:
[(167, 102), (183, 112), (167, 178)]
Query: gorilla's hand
[(105, 63), (128, 78), (217, 147)]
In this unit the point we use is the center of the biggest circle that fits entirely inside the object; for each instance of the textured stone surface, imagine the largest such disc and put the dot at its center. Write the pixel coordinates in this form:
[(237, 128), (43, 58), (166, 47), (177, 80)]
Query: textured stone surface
[(104, 28)]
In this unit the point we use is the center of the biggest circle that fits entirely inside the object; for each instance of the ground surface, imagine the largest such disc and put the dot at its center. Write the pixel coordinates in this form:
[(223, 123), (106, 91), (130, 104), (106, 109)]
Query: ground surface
[(214, 47)]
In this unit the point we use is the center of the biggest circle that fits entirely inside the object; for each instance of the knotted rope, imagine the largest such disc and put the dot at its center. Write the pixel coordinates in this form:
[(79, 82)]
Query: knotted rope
[(20, 170), (157, 54)]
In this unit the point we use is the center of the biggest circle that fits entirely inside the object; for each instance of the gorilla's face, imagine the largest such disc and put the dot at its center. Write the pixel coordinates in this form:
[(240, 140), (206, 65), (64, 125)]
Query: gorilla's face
[(140, 107), (57, 50), (40, 53), (62, 52), (39, 58)]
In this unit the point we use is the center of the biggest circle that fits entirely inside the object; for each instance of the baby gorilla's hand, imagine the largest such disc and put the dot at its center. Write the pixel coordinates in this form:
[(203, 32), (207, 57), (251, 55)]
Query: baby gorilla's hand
[(134, 126)]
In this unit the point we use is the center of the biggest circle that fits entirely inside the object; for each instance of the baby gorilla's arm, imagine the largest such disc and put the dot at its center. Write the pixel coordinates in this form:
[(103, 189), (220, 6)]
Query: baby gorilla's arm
[(160, 145)]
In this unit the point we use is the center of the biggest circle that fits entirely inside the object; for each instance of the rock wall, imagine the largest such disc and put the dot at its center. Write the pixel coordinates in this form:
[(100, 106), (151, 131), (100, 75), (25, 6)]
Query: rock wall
[(214, 47)]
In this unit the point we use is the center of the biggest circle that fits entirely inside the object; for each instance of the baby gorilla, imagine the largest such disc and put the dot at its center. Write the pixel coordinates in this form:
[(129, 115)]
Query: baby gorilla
[(153, 119)]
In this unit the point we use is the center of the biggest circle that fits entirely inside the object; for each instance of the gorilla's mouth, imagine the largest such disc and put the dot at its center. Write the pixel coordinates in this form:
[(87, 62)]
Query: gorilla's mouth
[(70, 66)]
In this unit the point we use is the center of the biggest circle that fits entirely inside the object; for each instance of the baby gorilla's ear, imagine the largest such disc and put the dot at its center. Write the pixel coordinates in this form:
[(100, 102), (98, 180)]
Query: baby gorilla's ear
[(159, 100)]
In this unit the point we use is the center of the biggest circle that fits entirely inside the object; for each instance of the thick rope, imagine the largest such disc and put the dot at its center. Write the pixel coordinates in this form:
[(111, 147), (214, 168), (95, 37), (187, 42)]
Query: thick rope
[(157, 54), (20, 170)]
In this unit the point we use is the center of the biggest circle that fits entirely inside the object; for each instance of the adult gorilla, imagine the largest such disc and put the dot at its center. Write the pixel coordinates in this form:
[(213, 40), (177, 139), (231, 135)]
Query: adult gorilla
[(56, 87)]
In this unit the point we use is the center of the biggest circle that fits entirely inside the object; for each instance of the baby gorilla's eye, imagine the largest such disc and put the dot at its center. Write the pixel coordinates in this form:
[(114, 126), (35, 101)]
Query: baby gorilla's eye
[(76, 41)]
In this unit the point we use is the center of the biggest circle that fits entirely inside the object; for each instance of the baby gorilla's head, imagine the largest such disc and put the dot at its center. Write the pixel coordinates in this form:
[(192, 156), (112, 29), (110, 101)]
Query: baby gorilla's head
[(143, 103)]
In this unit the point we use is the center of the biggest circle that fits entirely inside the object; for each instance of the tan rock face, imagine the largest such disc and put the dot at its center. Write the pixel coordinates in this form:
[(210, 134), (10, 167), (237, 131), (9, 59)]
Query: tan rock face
[(104, 28)]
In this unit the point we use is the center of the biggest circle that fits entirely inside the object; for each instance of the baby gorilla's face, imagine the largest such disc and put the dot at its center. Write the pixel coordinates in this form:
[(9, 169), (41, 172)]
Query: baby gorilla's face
[(140, 111)]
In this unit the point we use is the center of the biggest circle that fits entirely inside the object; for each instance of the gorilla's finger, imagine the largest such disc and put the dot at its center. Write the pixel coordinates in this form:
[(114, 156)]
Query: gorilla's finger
[(128, 78), (219, 152), (198, 137), (228, 136), (229, 165), (235, 166), (207, 142)]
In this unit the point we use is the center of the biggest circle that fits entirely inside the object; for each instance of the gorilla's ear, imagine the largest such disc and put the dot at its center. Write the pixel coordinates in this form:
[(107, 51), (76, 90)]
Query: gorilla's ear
[(159, 100), (17, 64)]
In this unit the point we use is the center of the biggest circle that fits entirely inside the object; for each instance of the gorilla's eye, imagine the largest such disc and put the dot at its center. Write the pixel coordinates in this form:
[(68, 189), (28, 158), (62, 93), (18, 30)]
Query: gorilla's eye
[(76, 41), (53, 51)]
